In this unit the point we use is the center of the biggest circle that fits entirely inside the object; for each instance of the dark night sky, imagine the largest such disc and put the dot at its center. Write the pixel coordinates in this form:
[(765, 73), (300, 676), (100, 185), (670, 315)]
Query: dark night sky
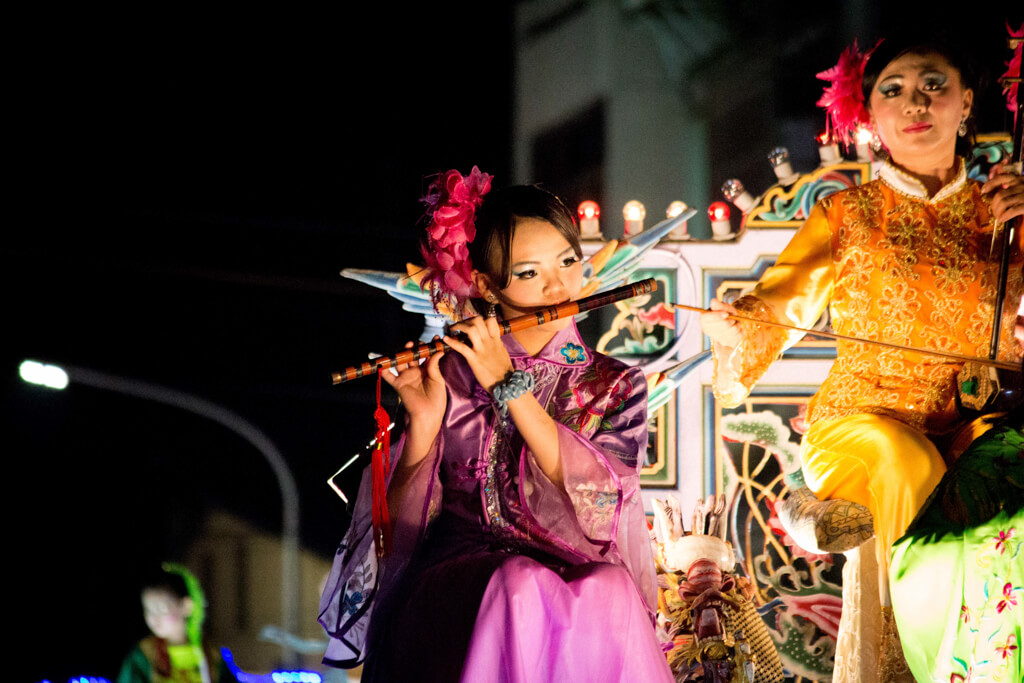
[(186, 187)]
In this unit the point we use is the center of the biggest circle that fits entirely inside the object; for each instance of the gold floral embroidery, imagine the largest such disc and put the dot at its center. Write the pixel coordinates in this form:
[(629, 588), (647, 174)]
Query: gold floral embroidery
[(909, 271), (943, 320), (863, 326), (862, 207), (854, 270), (900, 247), (899, 308), (958, 211), (952, 276), (736, 374), (904, 230)]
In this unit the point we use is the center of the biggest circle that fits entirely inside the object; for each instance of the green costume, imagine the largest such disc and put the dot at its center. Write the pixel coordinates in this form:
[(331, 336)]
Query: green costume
[(957, 575), (154, 661)]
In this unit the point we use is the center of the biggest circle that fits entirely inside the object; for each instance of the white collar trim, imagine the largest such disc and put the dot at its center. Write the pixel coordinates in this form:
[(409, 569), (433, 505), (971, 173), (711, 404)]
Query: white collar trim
[(908, 185)]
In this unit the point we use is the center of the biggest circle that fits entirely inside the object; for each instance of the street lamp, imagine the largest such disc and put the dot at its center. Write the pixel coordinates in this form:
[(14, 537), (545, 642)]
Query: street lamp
[(50, 376), (58, 377)]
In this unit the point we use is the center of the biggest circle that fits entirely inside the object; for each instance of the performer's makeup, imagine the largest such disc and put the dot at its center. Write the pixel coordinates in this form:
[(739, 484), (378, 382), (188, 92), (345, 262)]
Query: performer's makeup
[(545, 269), (916, 106)]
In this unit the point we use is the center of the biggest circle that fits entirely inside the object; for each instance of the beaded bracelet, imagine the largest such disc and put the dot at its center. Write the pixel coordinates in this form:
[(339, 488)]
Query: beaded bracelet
[(514, 386)]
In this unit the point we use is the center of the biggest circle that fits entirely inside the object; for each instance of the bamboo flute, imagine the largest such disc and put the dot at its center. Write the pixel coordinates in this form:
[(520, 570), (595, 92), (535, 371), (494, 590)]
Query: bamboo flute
[(546, 315), (629, 291)]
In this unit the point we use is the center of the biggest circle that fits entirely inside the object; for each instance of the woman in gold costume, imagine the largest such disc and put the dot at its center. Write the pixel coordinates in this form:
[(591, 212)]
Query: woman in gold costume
[(903, 258)]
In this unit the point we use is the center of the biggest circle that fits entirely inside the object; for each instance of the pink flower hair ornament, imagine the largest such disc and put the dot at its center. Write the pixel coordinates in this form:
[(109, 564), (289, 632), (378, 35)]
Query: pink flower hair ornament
[(843, 98), (452, 200)]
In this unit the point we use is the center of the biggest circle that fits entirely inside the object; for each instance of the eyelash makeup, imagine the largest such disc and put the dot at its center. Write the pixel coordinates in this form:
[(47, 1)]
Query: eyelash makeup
[(931, 82), (567, 262)]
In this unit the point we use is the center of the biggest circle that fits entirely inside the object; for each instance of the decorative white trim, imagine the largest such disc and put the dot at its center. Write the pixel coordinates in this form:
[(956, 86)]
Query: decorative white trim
[(909, 186)]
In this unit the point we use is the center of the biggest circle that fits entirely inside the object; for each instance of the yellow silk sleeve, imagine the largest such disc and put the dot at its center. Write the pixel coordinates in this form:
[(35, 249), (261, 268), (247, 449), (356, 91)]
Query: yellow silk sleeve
[(794, 291)]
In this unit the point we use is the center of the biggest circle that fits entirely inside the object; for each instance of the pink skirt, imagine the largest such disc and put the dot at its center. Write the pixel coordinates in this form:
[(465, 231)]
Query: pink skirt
[(531, 624)]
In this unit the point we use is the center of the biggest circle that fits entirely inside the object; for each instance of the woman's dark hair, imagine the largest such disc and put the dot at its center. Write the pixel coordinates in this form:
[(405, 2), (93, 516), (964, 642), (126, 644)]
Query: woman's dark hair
[(161, 579), (491, 249), (917, 43)]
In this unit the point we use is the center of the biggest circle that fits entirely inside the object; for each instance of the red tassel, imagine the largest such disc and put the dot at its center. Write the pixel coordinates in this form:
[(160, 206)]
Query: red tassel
[(379, 466)]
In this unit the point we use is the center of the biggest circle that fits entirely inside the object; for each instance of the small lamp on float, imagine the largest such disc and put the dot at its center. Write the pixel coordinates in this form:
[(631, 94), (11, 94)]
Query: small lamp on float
[(779, 159), (721, 227), (679, 232), (734, 191), (827, 150), (633, 213), (589, 213)]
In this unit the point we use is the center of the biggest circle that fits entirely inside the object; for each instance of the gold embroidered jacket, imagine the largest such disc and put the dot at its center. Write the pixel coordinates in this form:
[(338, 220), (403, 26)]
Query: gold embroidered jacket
[(892, 265)]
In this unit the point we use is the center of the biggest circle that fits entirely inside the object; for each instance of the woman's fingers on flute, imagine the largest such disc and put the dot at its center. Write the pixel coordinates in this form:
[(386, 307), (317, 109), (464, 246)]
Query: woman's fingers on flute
[(469, 333), (482, 333), (478, 326), (397, 369), (485, 352), (404, 366), (421, 389), (414, 372), (458, 340), (391, 374), (433, 365), (492, 326)]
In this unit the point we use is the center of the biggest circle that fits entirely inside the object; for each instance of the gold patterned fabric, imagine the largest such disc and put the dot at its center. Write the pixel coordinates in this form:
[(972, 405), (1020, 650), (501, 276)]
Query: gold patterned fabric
[(878, 462), (891, 267), (897, 266)]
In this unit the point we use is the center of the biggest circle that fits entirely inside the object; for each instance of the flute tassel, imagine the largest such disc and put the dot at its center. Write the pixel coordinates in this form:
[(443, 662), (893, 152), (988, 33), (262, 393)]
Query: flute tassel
[(379, 467)]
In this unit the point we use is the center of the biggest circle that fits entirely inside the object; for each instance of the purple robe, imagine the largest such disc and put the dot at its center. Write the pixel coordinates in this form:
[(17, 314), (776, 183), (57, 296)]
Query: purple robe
[(497, 573)]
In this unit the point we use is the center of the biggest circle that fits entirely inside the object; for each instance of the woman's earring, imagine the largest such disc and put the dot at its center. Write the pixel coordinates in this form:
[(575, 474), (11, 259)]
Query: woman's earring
[(492, 311), (962, 130), (875, 142)]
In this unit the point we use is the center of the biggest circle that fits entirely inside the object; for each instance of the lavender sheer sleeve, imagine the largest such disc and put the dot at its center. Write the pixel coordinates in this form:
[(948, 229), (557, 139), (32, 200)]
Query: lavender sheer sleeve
[(358, 575), (598, 511)]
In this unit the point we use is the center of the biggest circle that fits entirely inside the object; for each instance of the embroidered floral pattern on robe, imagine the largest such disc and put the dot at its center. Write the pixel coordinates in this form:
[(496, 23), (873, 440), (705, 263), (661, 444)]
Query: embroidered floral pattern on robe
[(893, 268), (481, 490)]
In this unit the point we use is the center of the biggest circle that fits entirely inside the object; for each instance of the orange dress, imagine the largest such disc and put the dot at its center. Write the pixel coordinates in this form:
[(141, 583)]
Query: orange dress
[(893, 265)]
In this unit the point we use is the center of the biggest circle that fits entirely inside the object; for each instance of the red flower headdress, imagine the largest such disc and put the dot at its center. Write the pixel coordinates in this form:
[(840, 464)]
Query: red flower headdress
[(843, 100), (452, 201), (1013, 70)]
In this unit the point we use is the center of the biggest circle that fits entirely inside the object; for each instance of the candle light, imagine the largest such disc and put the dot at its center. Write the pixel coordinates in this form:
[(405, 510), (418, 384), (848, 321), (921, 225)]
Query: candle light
[(721, 228), (735, 193), (633, 213), (779, 159), (864, 138), (679, 232), (827, 150), (589, 213)]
